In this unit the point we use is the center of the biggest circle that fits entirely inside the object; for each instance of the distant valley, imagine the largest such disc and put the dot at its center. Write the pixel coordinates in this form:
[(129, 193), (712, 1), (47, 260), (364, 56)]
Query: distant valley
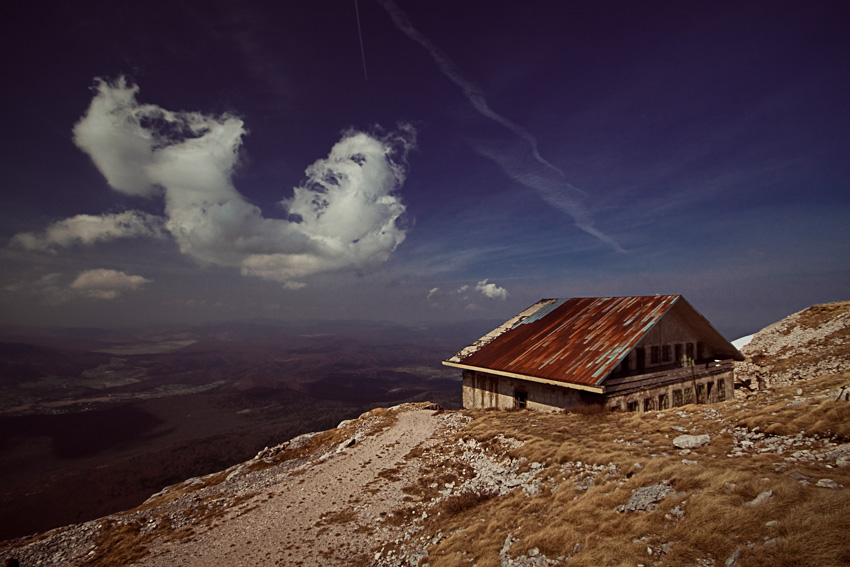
[(93, 421)]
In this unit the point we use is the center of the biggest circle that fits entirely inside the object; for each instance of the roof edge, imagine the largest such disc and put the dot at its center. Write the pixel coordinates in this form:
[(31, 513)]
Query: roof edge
[(502, 329), (740, 357), (594, 389)]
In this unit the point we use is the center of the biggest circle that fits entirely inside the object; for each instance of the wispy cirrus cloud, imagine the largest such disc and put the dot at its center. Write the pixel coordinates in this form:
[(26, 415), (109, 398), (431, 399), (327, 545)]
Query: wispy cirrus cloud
[(345, 215), (521, 160)]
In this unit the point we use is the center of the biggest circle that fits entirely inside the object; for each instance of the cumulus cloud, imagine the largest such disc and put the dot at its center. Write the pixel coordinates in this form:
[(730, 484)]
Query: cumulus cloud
[(468, 294), (491, 290), (88, 229), (345, 215), (106, 284), (54, 288)]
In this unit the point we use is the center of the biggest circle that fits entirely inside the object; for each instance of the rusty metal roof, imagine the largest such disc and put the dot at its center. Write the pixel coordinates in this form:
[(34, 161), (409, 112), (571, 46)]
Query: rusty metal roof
[(575, 341)]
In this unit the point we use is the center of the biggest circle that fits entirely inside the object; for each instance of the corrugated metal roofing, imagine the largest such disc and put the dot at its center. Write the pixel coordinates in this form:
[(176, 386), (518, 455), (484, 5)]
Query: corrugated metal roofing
[(576, 341)]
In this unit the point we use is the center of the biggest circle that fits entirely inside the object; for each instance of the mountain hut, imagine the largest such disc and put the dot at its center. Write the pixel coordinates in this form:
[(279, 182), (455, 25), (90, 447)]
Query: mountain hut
[(622, 353)]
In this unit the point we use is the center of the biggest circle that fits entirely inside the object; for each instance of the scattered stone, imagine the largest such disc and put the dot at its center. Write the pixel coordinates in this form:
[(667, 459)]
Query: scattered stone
[(646, 498), (689, 463), (827, 483), (799, 476), (763, 497), (732, 560), (691, 441)]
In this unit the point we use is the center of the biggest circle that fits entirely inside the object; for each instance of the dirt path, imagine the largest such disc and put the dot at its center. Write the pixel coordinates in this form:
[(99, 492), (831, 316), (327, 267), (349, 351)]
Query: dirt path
[(326, 516)]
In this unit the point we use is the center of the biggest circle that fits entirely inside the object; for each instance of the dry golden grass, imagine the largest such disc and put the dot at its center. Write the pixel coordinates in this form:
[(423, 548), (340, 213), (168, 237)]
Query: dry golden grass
[(118, 544), (813, 317), (706, 517), (817, 414)]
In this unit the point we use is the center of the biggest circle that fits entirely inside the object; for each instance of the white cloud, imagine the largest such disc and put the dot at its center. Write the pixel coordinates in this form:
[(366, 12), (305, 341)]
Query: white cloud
[(106, 284), (491, 290), (88, 229), (344, 216), (99, 283), (467, 294)]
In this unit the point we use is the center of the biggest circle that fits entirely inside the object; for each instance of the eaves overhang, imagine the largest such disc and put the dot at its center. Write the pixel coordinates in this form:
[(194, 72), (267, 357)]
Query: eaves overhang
[(586, 388)]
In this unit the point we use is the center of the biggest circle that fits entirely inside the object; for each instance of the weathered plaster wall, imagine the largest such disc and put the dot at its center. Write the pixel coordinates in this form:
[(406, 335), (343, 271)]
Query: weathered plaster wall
[(482, 390), (701, 389)]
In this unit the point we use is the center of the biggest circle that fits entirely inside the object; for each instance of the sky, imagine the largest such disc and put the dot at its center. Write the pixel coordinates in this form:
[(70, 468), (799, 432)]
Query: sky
[(416, 162)]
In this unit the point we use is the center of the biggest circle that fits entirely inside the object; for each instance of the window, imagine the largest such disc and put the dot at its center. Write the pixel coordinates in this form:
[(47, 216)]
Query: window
[(648, 404), (677, 398), (701, 393), (721, 391), (640, 359), (689, 395), (680, 355), (520, 399), (625, 366), (633, 406), (689, 351), (663, 402), (667, 353), (655, 355), (709, 388)]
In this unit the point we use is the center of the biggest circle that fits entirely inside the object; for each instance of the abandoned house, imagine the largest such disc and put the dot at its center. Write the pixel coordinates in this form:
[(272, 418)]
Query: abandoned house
[(622, 353)]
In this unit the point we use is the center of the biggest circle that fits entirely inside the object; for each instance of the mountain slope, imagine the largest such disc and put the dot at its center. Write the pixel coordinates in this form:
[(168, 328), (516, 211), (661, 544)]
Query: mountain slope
[(756, 481)]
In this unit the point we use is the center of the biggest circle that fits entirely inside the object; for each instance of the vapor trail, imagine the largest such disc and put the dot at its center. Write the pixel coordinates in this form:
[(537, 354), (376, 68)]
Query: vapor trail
[(548, 189), (360, 33)]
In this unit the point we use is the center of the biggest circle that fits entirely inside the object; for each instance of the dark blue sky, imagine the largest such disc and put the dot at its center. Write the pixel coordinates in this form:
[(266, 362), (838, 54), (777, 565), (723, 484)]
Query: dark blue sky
[(498, 153)]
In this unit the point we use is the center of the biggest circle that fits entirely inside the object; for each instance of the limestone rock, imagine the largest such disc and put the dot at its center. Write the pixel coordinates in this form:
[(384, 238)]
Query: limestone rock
[(646, 498), (691, 441), (763, 497)]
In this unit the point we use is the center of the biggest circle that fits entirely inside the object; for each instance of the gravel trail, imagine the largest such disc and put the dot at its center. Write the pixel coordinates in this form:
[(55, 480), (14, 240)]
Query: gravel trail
[(326, 516)]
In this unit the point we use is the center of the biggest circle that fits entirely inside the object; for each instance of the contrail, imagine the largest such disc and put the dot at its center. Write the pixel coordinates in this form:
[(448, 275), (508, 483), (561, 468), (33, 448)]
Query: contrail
[(360, 33), (547, 191)]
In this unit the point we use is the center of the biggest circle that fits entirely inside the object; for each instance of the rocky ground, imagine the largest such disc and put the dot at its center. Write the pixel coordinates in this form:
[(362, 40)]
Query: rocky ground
[(810, 343), (762, 479)]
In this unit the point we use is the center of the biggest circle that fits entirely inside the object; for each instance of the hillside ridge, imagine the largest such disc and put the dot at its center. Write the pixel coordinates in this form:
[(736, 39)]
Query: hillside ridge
[(761, 479)]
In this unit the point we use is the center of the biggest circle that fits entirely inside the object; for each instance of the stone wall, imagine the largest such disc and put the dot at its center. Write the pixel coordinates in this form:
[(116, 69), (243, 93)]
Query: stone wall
[(639, 393), (701, 388), (481, 390)]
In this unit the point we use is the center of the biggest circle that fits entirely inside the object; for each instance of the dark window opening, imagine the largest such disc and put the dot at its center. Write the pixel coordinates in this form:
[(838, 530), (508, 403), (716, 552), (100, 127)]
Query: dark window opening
[(663, 402), (640, 359), (655, 355), (721, 391), (648, 404), (667, 353), (633, 406), (521, 399), (680, 355), (677, 398), (709, 387), (689, 395), (701, 394), (689, 352)]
